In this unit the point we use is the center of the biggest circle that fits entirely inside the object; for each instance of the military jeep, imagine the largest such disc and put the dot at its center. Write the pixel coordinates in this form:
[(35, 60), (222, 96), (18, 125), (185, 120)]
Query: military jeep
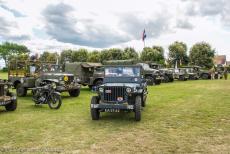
[(7, 98), (90, 74), (167, 74), (123, 89), (197, 73), (65, 81), (25, 75)]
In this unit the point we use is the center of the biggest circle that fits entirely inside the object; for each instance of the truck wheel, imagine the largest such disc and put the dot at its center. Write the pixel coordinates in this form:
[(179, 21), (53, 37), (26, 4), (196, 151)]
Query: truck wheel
[(157, 82), (171, 79), (205, 76), (74, 93), (95, 114), (166, 79), (21, 91), (149, 80), (12, 106), (181, 78), (137, 108)]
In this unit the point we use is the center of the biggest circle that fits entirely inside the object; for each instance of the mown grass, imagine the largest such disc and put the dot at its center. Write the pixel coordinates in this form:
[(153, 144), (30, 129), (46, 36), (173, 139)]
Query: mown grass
[(180, 117)]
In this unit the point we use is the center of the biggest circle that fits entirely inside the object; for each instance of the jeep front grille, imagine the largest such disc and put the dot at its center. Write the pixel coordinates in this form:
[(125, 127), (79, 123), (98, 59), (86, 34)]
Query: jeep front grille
[(114, 94), (1, 90)]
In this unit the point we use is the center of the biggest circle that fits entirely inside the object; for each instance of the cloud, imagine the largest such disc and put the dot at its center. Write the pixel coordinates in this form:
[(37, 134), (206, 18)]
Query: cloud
[(184, 24), (60, 25), (6, 34), (14, 12)]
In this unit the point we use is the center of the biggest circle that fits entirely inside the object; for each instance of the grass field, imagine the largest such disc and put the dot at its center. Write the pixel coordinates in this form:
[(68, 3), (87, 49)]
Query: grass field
[(180, 117)]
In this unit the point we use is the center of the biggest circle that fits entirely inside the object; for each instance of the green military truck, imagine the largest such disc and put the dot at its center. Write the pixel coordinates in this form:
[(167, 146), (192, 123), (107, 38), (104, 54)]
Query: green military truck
[(89, 74), (25, 75)]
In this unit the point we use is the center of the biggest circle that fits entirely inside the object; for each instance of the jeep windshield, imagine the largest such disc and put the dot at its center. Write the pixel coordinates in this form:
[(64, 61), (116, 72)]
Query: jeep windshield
[(122, 71), (51, 68)]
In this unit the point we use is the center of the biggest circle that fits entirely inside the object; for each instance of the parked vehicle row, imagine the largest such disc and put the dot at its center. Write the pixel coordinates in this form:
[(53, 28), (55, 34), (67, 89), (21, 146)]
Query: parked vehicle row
[(120, 85)]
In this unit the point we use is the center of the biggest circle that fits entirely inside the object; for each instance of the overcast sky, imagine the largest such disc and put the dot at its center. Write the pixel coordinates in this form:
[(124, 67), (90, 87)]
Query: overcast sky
[(96, 24)]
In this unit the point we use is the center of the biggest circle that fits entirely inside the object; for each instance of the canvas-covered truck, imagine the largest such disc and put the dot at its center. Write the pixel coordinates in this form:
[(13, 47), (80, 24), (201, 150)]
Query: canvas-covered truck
[(89, 74), (25, 75)]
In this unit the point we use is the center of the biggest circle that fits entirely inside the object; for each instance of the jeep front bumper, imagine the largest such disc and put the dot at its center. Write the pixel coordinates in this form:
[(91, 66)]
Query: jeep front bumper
[(112, 106), (4, 100), (69, 87)]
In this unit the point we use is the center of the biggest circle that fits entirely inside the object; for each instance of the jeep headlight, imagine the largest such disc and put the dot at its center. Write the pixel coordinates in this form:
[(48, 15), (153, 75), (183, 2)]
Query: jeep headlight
[(54, 86), (128, 90), (101, 89), (5, 87), (60, 78)]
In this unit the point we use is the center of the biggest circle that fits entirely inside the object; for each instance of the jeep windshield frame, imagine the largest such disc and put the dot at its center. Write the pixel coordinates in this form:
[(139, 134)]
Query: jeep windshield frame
[(47, 68), (122, 71)]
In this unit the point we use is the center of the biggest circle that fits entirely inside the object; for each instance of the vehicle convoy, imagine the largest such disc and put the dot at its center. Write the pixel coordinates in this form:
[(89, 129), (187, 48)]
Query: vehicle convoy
[(166, 73), (26, 75), (180, 74), (7, 98), (123, 89), (47, 94), (152, 76), (90, 74)]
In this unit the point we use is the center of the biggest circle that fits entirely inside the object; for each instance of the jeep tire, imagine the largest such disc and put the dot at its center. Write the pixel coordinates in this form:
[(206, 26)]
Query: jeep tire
[(166, 79), (95, 114), (74, 92), (137, 108), (98, 83), (12, 106), (21, 91)]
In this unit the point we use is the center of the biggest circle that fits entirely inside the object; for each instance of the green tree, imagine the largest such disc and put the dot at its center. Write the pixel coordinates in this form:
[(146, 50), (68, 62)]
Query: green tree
[(66, 55), (129, 53), (8, 49), (49, 57), (202, 54), (178, 52), (116, 53), (105, 55), (94, 56), (80, 55), (152, 54)]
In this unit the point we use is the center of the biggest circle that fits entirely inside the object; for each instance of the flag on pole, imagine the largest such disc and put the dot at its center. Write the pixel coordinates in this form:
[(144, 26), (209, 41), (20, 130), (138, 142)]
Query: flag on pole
[(143, 35)]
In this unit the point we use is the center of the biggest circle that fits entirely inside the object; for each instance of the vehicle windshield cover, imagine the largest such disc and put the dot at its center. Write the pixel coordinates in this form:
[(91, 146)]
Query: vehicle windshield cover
[(51, 68), (122, 71)]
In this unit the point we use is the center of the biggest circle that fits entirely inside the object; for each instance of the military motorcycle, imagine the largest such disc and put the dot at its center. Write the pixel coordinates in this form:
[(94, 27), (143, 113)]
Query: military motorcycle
[(47, 94)]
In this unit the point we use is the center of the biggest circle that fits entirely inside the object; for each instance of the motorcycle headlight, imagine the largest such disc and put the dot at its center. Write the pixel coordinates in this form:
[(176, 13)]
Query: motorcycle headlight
[(54, 86), (5, 87), (101, 90), (128, 90)]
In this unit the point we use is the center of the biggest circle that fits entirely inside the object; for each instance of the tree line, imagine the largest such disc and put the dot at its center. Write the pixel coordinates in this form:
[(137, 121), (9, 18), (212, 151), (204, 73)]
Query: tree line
[(200, 54)]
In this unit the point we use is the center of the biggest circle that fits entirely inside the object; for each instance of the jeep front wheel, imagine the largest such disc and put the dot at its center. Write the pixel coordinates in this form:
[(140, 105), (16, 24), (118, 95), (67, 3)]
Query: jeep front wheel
[(21, 91), (137, 108), (12, 106), (95, 114), (74, 93)]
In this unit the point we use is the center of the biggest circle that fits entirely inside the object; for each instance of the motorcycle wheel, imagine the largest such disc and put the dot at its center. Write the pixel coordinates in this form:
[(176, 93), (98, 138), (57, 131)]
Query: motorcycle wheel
[(55, 101)]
